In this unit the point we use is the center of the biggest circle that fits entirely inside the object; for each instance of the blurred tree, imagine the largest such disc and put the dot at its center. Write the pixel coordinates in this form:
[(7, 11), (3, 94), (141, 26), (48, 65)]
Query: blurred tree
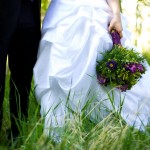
[(145, 2)]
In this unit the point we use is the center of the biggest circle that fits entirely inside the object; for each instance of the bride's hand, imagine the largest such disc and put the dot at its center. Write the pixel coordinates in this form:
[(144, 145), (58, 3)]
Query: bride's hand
[(115, 23)]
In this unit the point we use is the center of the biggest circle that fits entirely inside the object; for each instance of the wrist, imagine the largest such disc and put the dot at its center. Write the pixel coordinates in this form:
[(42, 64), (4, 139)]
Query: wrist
[(116, 14)]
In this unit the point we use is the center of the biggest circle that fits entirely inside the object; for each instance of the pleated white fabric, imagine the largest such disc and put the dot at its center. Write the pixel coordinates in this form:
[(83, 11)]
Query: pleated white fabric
[(74, 33)]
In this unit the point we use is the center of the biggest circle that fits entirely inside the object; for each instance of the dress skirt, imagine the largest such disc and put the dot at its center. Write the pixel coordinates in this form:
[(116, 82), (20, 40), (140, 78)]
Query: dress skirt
[(74, 33)]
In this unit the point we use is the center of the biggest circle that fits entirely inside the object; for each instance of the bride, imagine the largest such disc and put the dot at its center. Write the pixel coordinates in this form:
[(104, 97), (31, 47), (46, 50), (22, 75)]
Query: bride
[(74, 33)]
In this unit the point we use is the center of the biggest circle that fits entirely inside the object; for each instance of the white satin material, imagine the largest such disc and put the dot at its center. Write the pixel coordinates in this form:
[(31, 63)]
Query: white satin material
[(74, 33)]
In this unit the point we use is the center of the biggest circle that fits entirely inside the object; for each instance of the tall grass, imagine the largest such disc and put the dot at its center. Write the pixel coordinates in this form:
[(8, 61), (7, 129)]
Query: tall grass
[(79, 133)]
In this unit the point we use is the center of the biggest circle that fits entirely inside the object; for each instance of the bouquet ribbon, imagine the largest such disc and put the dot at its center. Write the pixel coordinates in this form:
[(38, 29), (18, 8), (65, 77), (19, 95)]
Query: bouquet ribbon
[(115, 37)]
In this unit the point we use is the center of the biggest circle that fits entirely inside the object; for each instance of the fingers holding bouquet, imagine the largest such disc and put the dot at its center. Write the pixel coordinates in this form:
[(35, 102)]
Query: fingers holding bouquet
[(115, 24)]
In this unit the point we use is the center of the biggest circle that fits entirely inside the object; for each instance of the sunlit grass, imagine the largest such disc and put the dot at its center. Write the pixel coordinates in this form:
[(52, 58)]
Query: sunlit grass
[(79, 133)]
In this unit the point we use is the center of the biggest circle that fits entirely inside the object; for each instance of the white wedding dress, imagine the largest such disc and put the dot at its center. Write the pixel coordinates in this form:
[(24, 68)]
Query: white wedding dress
[(74, 33)]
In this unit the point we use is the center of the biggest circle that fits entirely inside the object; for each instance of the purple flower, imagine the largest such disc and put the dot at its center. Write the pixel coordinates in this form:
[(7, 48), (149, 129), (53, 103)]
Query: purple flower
[(123, 88), (101, 79), (126, 66), (112, 64), (132, 67), (140, 67)]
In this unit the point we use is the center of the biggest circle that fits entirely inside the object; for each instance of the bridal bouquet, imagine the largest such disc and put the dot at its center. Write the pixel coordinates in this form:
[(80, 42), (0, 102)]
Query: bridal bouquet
[(120, 67)]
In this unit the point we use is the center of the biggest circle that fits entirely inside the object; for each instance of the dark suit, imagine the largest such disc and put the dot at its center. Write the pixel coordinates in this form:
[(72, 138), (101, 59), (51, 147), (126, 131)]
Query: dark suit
[(19, 39)]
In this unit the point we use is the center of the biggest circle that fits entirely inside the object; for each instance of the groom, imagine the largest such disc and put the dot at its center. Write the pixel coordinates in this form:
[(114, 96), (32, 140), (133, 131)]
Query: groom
[(19, 39)]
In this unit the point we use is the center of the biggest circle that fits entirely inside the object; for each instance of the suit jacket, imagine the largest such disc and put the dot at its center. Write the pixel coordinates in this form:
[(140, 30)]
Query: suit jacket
[(9, 14)]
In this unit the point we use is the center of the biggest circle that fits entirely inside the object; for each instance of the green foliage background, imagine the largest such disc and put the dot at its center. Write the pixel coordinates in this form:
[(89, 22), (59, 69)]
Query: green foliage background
[(44, 7)]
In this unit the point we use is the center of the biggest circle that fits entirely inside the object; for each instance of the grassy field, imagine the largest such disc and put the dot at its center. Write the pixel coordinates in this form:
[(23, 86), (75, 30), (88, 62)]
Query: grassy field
[(80, 133)]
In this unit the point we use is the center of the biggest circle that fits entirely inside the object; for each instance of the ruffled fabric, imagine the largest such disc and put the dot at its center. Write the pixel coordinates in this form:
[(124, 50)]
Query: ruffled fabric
[(74, 33)]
